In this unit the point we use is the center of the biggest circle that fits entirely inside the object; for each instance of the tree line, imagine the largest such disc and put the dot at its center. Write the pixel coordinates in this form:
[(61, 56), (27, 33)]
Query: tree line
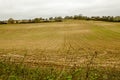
[(95, 18), (60, 19), (35, 20)]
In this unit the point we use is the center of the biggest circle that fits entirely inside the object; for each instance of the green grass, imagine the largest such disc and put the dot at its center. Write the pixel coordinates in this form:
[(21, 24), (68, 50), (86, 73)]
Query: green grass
[(20, 71), (55, 45)]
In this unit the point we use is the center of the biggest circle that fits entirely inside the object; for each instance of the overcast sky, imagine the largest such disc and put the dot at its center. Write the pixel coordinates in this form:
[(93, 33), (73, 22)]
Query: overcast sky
[(24, 9)]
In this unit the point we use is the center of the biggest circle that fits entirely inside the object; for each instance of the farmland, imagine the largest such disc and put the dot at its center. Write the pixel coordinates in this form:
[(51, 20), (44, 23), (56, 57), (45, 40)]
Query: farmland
[(67, 43)]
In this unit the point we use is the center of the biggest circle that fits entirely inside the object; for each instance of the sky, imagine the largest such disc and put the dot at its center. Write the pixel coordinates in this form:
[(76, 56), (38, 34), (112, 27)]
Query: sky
[(28, 9)]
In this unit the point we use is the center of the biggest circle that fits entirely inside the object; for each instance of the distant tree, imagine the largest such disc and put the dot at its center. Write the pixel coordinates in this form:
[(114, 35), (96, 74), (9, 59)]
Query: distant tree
[(46, 20), (68, 17), (51, 18), (58, 19), (117, 19), (111, 18), (78, 17), (30, 21), (36, 20), (11, 21), (3, 22)]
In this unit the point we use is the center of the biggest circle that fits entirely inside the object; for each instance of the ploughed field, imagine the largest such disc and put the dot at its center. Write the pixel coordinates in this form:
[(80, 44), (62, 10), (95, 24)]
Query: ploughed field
[(68, 43)]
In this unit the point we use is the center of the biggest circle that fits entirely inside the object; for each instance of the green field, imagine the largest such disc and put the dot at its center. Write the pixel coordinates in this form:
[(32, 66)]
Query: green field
[(67, 43)]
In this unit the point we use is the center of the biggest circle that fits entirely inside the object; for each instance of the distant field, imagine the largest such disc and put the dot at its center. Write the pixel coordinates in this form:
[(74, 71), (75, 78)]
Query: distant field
[(63, 43)]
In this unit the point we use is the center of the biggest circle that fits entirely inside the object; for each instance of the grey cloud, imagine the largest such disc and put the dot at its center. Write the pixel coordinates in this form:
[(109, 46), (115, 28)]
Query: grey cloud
[(20, 9)]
